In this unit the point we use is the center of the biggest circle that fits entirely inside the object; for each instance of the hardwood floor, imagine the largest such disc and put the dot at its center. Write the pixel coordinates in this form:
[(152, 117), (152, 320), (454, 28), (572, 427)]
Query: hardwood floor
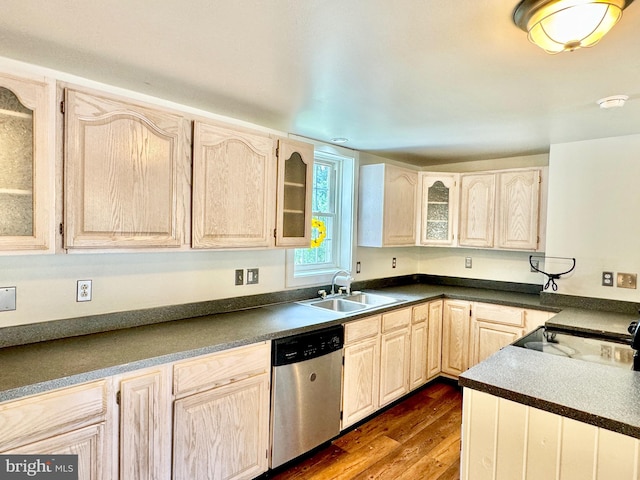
[(418, 438)]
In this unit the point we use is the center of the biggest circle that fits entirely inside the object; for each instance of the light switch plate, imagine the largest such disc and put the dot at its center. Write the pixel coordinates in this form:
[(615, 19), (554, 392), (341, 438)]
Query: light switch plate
[(7, 299), (627, 280)]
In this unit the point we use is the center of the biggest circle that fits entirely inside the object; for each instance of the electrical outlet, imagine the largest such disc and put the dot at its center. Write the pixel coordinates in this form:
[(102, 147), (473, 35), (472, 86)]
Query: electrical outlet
[(393, 262), (607, 279), (627, 280), (239, 277), (252, 276), (83, 291), (7, 298), (467, 262), (534, 264)]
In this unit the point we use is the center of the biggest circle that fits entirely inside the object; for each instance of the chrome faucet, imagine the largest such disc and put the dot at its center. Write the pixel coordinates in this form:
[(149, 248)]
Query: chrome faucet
[(342, 281)]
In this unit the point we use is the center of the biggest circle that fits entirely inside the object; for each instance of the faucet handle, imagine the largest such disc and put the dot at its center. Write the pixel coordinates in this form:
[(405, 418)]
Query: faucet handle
[(322, 293)]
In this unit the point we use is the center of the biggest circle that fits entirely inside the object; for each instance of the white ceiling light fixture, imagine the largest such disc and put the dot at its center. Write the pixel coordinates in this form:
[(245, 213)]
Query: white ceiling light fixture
[(339, 140), (614, 101), (566, 25)]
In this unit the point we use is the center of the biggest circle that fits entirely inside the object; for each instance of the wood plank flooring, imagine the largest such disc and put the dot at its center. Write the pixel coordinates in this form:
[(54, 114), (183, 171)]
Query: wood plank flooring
[(418, 438)]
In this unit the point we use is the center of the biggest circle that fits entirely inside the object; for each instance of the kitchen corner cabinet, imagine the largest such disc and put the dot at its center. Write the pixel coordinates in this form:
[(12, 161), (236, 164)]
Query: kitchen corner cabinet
[(456, 328), (234, 188), (477, 210), (69, 421), (438, 208), (145, 424), (126, 174), (221, 414), (494, 327), (387, 206), (295, 189), (395, 355), (500, 209), (27, 165), (361, 372)]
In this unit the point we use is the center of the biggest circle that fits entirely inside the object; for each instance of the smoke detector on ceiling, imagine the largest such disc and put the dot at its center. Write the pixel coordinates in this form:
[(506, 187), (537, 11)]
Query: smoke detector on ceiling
[(615, 101)]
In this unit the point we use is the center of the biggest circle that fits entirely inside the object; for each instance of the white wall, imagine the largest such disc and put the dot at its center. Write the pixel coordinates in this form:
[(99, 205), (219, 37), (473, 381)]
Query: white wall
[(594, 200)]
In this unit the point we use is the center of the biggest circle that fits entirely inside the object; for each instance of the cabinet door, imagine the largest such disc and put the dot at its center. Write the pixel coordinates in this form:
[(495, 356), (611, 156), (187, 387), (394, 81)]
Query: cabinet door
[(87, 443), (400, 196), (233, 188), (477, 210), (223, 433), (295, 189), (127, 174), (456, 330), (518, 209), (361, 380), (145, 426), (488, 338), (394, 365), (27, 159), (419, 343), (439, 207), (434, 334)]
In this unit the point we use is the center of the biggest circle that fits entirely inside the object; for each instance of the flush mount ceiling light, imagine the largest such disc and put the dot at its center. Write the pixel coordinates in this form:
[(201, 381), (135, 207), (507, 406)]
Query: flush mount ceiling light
[(566, 25), (339, 140), (615, 101)]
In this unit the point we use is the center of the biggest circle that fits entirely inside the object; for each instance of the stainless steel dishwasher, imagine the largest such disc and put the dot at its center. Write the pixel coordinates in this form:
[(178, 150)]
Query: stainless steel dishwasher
[(306, 392)]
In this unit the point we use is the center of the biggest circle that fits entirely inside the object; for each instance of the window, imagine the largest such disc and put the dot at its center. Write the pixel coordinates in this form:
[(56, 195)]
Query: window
[(332, 204)]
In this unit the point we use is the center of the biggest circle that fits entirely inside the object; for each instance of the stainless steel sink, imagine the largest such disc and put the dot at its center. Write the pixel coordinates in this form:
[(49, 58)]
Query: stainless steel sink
[(371, 299), (337, 305), (351, 303)]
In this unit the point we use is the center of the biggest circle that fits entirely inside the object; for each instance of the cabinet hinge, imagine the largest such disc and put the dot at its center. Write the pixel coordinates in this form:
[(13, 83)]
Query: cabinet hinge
[(61, 229), (277, 151), (274, 233), (266, 453), (341, 413), (118, 397), (62, 107)]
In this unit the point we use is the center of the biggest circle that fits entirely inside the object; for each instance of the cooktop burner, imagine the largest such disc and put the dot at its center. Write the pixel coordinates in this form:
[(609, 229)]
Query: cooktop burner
[(589, 349)]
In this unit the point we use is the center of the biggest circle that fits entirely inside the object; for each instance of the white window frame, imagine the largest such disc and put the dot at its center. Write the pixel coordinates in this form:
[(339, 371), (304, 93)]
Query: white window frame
[(347, 214)]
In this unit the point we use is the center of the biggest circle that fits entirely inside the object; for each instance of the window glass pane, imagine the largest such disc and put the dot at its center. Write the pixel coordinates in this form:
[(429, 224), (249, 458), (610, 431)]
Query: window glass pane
[(322, 188)]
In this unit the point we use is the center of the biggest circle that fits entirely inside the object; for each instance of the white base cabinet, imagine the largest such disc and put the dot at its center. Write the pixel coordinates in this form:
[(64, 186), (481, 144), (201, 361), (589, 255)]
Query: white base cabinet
[(505, 440)]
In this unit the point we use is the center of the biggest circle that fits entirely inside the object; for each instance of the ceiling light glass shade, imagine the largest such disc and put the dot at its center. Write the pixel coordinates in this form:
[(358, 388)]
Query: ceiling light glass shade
[(566, 25)]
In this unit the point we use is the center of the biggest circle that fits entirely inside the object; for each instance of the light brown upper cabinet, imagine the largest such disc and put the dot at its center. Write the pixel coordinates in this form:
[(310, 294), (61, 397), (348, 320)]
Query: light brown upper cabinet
[(126, 175), (438, 209), (501, 209), (27, 162), (295, 189), (477, 209), (234, 188), (387, 206)]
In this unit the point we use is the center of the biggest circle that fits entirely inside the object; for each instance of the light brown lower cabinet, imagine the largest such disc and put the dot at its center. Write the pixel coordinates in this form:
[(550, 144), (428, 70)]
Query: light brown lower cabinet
[(221, 414), (456, 328), (395, 351), (71, 420), (434, 334), (361, 371), (419, 345), (145, 424)]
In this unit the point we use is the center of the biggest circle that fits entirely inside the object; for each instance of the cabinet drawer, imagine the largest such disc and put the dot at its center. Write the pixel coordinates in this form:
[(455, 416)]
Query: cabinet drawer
[(486, 312), (420, 313), (354, 331), (396, 319), (50, 414), (210, 371)]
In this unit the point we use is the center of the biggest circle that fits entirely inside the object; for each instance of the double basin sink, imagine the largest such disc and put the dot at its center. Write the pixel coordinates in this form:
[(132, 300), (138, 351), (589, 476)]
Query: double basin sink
[(353, 303)]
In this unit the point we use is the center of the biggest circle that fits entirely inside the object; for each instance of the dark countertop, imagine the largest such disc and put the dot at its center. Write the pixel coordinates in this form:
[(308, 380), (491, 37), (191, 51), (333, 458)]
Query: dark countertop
[(600, 395), (39, 367)]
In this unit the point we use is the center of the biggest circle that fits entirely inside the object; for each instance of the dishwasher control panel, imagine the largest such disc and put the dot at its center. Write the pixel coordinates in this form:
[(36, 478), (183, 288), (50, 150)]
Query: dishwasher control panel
[(305, 346)]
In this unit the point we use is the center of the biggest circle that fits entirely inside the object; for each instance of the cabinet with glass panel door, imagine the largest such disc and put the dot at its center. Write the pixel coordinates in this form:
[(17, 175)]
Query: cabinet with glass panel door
[(27, 158), (439, 208)]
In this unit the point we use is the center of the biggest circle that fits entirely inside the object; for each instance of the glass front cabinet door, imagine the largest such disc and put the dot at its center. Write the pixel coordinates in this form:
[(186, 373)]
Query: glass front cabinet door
[(439, 209), (295, 185), (27, 159)]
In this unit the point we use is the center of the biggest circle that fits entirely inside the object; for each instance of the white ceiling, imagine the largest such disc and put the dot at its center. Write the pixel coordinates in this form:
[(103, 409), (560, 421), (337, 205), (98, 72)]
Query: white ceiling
[(422, 81)]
